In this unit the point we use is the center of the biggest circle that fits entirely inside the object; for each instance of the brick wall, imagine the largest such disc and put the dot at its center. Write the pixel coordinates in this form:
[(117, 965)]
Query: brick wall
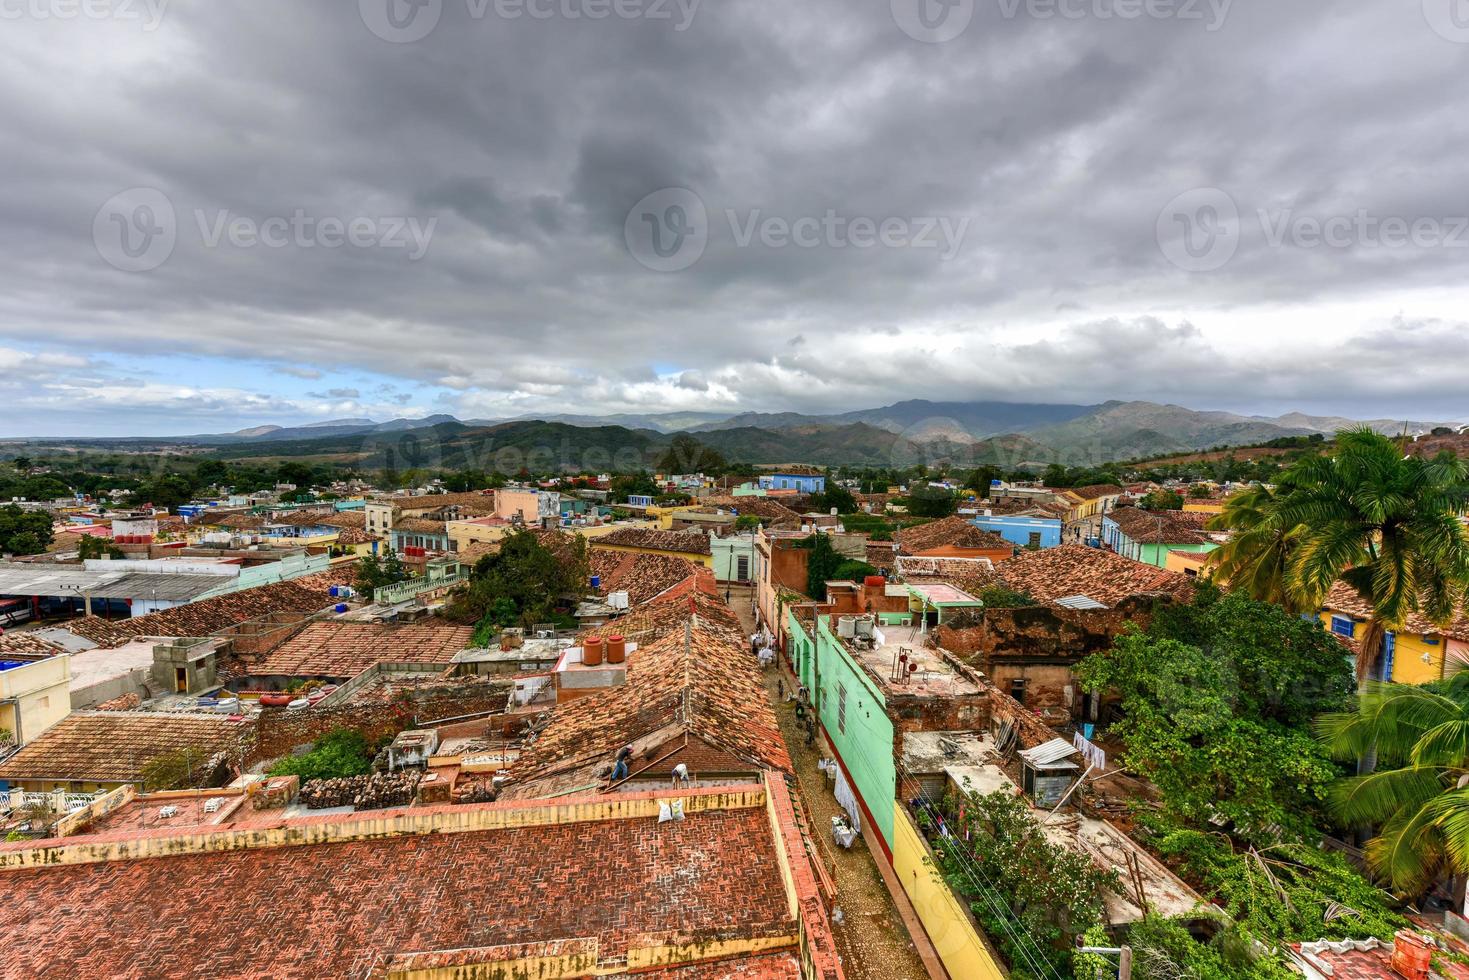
[(280, 730)]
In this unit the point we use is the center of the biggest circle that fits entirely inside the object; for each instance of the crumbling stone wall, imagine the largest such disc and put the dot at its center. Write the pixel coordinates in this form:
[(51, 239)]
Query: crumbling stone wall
[(280, 730), (1040, 645)]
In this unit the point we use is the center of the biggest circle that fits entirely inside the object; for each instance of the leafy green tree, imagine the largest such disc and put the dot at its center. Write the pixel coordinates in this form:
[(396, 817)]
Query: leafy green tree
[(297, 473), (686, 454), (821, 565), (374, 572), (835, 496), (1162, 500), (168, 491), (90, 547), (1198, 492), (23, 532), (999, 596), (523, 582), (1215, 699), (1256, 558), (632, 484), (1384, 523), (211, 473), (341, 752), (24, 463), (925, 501), (44, 488)]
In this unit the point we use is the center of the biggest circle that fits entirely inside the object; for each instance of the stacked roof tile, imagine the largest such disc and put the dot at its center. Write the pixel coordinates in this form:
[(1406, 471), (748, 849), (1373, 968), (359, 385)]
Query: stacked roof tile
[(679, 542), (374, 906), (1161, 526), (29, 644), (1344, 599), (116, 746), (1073, 569), (307, 594), (695, 689), (951, 532), (642, 576), (341, 649)]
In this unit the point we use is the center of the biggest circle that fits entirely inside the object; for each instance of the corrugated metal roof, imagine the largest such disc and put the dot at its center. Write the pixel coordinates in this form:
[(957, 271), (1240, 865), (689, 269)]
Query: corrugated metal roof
[(1050, 755), (1079, 602)]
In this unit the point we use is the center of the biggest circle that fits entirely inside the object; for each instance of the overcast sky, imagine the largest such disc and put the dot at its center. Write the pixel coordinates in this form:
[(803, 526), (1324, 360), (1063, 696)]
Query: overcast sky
[(225, 213)]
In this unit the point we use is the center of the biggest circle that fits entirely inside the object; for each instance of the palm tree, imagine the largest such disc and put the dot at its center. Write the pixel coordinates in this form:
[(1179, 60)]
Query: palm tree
[(1419, 800), (1384, 523), (1256, 558)]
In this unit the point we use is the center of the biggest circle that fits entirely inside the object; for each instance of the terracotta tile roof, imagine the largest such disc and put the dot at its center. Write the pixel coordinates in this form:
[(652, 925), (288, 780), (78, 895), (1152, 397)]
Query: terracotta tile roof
[(696, 684), (666, 614), (880, 554), (1022, 508), (682, 542), (473, 500), (346, 518), (1105, 576), (1161, 526), (29, 643), (419, 525), (339, 649), (1094, 491), (355, 535), (951, 532), (301, 518), (237, 522), (114, 746), (362, 908), (772, 513), (1344, 599), (564, 546), (641, 576), (307, 594)]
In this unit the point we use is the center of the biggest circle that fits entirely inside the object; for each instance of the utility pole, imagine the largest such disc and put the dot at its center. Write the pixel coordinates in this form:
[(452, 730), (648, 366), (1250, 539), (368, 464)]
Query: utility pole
[(1123, 954)]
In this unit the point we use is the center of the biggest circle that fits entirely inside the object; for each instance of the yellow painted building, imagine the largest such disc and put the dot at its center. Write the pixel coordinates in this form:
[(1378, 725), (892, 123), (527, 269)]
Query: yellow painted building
[(33, 696), (949, 925), (1420, 654)]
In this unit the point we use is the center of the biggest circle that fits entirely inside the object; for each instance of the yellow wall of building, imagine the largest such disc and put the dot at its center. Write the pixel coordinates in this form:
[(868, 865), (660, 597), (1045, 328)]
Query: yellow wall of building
[(706, 560), (1409, 652), (1203, 506), (963, 951), (42, 691)]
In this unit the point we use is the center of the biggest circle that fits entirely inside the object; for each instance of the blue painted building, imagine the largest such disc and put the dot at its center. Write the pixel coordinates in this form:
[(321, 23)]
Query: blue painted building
[(1027, 532), (804, 482)]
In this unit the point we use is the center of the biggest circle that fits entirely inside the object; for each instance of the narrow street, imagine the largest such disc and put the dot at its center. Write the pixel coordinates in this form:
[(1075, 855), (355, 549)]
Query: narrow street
[(872, 938)]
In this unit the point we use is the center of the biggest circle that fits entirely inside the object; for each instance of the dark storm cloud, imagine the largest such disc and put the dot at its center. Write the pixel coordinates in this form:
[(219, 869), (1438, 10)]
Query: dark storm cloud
[(516, 148)]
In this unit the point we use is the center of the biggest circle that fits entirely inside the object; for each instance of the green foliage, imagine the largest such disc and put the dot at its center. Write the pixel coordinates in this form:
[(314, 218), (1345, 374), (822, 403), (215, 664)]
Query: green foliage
[(1215, 699), (1280, 893), (926, 501), (341, 752), (1419, 736), (1198, 492), (1000, 596), (374, 572), (836, 497), (182, 769), (1384, 523), (169, 490), (747, 522), (822, 565), (1052, 892), (522, 583), (1162, 500), (852, 570), (89, 548), (632, 484), (686, 454), (22, 532)]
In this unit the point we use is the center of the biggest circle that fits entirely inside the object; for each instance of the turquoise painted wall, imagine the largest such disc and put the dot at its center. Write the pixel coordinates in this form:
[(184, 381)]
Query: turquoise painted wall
[(862, 734)]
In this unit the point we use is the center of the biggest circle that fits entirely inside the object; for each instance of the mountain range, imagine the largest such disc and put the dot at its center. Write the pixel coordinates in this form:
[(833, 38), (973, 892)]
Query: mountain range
[(963, 433)]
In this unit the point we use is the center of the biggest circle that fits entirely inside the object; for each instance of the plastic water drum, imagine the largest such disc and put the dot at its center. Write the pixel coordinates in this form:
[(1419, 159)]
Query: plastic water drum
[(341, 607)]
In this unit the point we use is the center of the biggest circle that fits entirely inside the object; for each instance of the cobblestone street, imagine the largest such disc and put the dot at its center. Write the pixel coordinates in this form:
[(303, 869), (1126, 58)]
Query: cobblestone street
[(872, 938)]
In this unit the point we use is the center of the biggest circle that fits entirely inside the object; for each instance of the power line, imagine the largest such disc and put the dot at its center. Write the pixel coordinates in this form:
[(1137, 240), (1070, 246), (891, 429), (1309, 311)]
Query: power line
[(1023, 942)]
